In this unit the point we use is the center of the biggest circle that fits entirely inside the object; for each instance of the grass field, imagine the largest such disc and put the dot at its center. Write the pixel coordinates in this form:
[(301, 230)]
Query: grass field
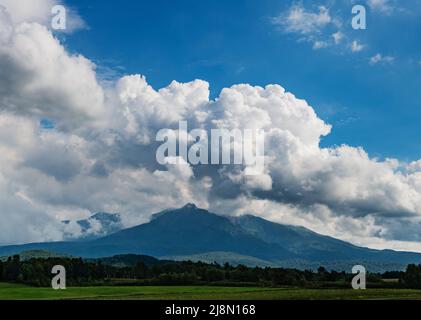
[(21, 292)]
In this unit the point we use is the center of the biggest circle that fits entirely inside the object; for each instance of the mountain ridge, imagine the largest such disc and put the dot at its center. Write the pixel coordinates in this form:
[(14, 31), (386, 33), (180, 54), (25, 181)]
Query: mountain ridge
[(192, 232)]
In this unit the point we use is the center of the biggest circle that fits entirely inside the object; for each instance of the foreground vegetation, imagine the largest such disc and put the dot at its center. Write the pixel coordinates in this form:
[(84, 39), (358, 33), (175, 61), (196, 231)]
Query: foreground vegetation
[(143, 277), (21, 292), (144, 270)]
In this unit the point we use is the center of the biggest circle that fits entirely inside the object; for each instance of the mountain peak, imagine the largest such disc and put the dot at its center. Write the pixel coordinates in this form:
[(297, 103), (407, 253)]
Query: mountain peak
[(190, 206)]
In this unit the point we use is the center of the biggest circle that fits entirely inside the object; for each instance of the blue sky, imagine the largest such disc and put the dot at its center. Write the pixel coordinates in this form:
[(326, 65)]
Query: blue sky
[(376, 106)]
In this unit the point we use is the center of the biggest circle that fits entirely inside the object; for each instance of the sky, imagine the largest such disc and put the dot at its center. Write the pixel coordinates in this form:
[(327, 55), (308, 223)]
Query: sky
[(80, 108), (231, 42)]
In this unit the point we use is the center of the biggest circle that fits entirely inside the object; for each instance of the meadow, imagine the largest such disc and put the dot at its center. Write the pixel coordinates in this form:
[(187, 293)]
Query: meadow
[(10, 291)]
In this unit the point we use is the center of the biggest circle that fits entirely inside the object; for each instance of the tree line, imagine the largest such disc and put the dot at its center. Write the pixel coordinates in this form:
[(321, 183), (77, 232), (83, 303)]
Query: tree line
[(79, 272)]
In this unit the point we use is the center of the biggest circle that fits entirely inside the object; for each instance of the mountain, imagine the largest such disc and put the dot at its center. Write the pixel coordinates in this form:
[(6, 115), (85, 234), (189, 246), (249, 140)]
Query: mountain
[(98, 225), (193, 233), (189, 230)]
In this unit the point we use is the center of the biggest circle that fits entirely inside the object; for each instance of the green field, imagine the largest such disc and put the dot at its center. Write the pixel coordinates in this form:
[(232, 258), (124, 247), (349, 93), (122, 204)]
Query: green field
[(21, 292)]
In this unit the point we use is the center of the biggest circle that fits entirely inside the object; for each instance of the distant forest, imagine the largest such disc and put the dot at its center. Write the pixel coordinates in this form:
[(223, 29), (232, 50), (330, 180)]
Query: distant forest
[(145, 270)]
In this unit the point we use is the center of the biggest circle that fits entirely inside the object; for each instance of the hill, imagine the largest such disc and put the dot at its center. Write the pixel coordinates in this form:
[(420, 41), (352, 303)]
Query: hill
[(44, 254)]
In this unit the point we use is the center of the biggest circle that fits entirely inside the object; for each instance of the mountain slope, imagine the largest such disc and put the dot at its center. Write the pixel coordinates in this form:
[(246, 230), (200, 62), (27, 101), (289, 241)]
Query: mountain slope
[(304, 243), (196, 233), (311, 246)]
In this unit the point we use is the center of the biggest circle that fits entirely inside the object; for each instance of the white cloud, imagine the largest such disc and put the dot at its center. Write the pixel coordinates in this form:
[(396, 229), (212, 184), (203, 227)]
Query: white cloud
[(323, 28), (356, 46), (338, 37), (382, 6), (38, 77), (378, 58), (298, 20), (40, 11), (320, 44), (308, 25), (29, 10)]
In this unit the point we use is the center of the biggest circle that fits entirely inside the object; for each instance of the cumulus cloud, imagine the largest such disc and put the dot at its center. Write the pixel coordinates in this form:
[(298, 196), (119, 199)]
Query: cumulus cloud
[(100, 153), (37, 77), (28, 10), (40, 11)]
